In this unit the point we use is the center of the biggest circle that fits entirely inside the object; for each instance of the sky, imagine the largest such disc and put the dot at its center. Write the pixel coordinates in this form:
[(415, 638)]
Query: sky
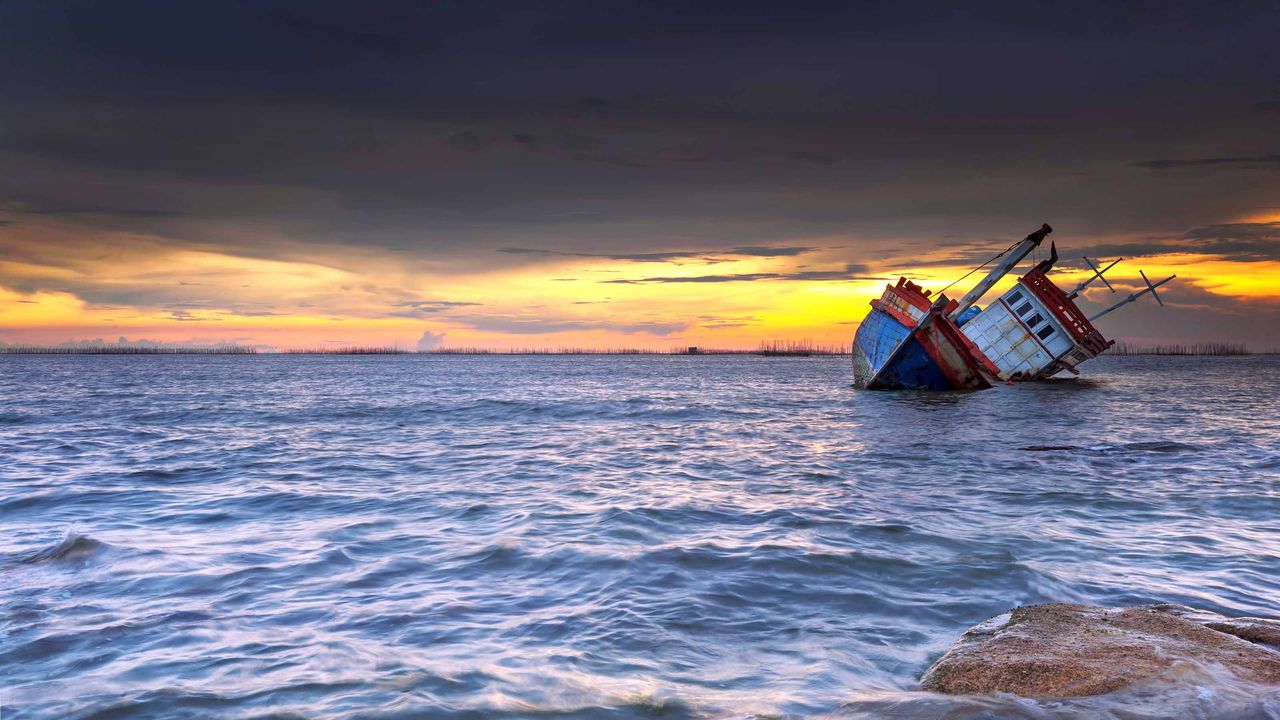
[(621, 174)]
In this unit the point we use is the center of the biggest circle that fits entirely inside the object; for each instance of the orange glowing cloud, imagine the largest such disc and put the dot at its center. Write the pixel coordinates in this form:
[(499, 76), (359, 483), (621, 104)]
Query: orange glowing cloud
[(117, 284)]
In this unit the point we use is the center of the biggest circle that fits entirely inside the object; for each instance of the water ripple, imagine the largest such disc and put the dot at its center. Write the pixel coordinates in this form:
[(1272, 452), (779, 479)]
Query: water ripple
[(399, 537)]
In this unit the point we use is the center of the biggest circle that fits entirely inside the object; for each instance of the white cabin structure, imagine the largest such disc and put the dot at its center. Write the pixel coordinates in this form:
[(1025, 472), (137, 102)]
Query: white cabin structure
[(1034, 331)]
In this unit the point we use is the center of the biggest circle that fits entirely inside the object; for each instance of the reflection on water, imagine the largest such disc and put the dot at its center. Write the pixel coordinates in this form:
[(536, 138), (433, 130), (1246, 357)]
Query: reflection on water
[(583, 536)]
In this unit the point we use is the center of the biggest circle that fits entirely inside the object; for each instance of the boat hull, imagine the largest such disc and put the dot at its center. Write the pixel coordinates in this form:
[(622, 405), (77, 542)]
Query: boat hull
[(911, 340), (887, 356), (907, 342)]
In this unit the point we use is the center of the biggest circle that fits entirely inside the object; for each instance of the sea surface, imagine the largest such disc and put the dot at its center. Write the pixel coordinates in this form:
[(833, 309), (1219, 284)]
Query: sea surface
[(602, 537)]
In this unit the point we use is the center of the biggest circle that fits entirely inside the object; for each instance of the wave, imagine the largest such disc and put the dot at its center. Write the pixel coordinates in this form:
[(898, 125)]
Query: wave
[(73, 548), (1150, 446), (600, 539)]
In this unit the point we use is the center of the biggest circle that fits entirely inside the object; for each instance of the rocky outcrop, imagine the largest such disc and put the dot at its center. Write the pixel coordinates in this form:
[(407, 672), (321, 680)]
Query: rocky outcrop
[(1255, 630), (1057, 651)]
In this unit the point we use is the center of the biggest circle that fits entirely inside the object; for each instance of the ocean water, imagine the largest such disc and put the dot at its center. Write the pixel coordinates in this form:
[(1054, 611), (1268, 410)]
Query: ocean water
[(475, 537)]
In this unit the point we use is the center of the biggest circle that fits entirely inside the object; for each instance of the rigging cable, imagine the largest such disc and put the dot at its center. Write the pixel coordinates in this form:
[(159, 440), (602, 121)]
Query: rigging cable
[(1001, 254)]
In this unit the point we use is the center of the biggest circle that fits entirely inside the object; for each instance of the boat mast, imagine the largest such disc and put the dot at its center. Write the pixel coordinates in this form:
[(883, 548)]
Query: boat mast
[(1019, 251), (1151, 288), (1097, 275)]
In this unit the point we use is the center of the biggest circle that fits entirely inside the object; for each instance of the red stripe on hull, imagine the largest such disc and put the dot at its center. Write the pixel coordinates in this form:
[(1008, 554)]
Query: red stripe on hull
[(911, 293), (964, 366), (893, 312)]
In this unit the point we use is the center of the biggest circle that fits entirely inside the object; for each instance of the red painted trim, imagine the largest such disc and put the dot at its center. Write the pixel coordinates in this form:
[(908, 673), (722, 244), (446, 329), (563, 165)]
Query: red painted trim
[(893, 312), (974, 358), (929, 342), (940, 330), (912, 293), (1065, 310)]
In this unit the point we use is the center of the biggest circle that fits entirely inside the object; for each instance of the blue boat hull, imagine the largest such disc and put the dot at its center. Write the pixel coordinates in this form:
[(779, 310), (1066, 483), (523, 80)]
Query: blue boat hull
[(908, 342), (911, 368)]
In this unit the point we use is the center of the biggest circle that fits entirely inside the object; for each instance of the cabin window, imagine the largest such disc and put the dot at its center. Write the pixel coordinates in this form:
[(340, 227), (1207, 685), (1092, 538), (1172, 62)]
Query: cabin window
[(1046, 332), (1015, 298), (1035, 320), (1023, 309)]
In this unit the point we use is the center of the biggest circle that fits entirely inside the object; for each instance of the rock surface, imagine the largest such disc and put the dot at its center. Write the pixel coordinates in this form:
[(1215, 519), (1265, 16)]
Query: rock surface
[(1059, 650), (1255, 630)]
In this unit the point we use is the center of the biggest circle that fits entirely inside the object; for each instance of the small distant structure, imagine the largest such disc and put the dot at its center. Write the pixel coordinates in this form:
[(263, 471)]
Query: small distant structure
[(693, 350), (348, 350), (1206, 348), (778, 348), (102, 349)]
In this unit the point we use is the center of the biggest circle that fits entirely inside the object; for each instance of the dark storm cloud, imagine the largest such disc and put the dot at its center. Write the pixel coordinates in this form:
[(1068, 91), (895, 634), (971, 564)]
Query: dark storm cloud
[(740, 277), (1249, 163), (237, 312), (707, 256), (385, 46), (426, 308), (435, 305), (1237, 242), (541, 326), (471, 140), (450, 130), (186, 316), (815, 158), (1261, 241), (123, 212), (851, 272), (768, 252), (719, 323)]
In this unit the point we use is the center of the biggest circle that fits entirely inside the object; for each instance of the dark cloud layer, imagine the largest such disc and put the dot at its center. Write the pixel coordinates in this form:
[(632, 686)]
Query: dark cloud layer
[(466, 137), (851, 272), (1251, 162), (546, 326), (706, 256), (428, 308), (452, 122), (1238, 242)]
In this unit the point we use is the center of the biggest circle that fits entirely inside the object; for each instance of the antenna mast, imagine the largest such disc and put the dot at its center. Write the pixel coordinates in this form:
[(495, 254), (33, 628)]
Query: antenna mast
[(1150, 289), (1031, 242), (1097, 275)]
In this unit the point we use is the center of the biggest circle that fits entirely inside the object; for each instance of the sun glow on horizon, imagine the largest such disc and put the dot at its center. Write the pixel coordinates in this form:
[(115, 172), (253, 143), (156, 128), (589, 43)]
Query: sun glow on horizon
[(144, 288)]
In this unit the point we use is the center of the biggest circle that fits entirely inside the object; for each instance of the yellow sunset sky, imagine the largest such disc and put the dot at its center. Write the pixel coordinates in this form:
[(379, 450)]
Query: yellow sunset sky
[(110, 285)]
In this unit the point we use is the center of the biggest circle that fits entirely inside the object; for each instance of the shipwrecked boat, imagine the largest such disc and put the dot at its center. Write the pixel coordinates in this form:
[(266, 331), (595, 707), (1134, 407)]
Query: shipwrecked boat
[(913, 339)]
